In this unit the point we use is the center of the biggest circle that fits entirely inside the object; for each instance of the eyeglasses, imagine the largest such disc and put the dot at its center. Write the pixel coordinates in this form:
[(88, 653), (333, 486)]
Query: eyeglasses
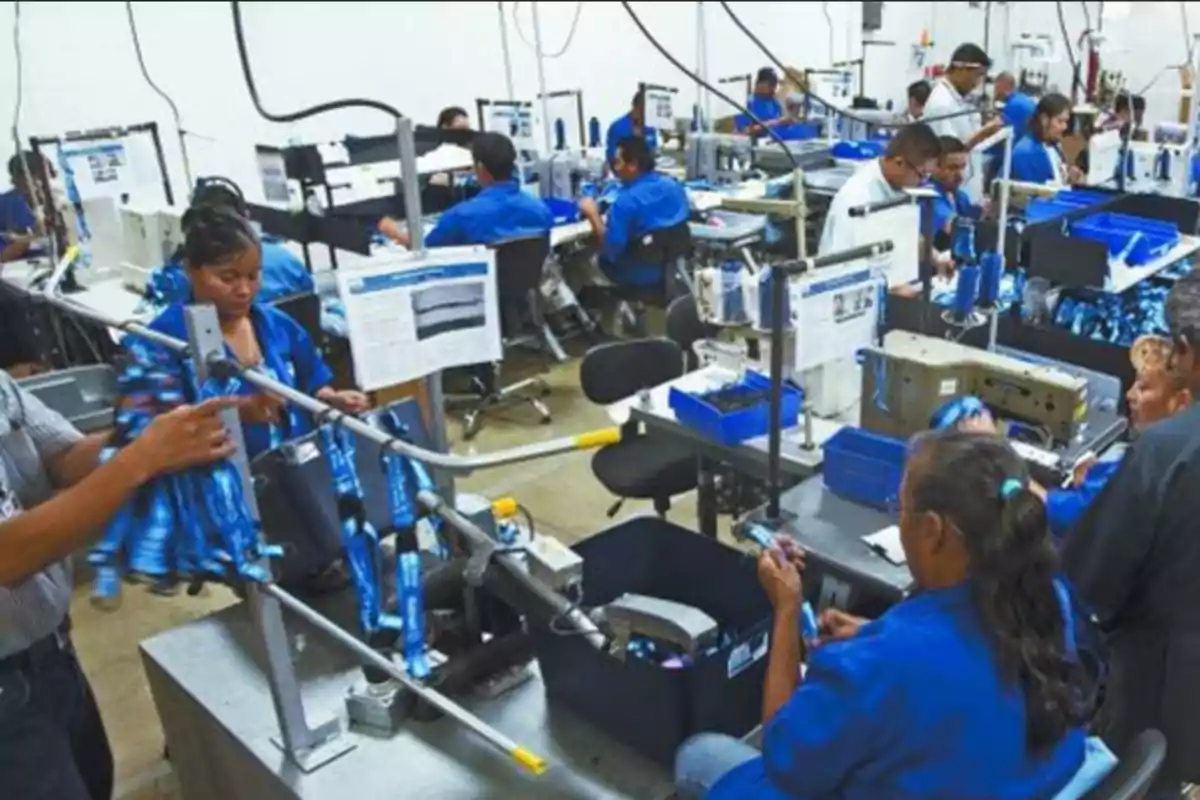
[(924, 175)]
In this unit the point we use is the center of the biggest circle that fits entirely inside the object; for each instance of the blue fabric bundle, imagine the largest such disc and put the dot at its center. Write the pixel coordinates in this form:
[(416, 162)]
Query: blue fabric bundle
[(1117, 319), (188, 527)]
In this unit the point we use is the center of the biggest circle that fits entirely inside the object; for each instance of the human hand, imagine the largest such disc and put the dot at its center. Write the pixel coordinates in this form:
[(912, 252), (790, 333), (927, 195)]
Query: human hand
[(944, 264), (187, 436), (588, 207), (792, 551), (993, 125), (1080, 470), (260, 408), (780, 580), (348, 401), (1075, 175), (837, 626)]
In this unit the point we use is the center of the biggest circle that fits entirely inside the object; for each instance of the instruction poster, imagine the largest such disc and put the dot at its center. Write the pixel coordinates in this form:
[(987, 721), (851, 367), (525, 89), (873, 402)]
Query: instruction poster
[(98, 169), (835, 313), (659, 107), (902, 226), (415, 315), (514, 120)]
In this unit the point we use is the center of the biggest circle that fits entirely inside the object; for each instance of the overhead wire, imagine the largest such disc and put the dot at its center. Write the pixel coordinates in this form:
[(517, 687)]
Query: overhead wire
[(137, 49), (1189, 46), (19, 75), (714, 90), (1066, 37), (566, 44)]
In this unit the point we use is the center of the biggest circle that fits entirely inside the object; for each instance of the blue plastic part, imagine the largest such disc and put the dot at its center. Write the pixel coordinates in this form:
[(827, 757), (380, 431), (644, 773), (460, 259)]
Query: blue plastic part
[(563, 211), (858, 150), (735, 427), (808, 623), (966, 291), (989, 278), (864, 467), (1138, 240)]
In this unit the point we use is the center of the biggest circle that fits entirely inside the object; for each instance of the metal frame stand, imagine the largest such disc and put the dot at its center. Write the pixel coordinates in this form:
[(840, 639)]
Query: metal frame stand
[(309, 748)]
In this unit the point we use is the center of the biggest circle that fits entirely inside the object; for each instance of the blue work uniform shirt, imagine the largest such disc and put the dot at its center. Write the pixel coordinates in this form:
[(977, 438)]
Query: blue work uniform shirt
[(650, 202), (623, 128), (764, 108), (1018, 110), (289, 356), (283, 275), (500, 211), (1031, 162), (948, 206), (913, 707), (15, 215)]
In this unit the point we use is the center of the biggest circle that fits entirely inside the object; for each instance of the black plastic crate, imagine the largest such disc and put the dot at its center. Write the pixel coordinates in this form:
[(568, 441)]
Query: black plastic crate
[(637, 702)]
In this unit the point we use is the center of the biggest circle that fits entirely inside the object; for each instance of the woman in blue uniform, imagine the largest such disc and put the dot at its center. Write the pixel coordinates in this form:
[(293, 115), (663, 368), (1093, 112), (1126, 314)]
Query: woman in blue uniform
[(223, 259), (1037, 157), (967, 689)]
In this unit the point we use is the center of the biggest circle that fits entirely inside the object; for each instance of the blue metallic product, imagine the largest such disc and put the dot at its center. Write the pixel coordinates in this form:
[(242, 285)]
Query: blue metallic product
[(989, 278), (406, 477), (955, 410), (759, 535), (808, 623), (412, 607), (963, 247), (965, 292)]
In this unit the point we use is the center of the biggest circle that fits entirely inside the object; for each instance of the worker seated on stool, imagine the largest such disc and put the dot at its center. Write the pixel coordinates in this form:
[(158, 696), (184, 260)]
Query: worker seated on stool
[(648, 201), (1158, 392), (1037, 158), (500, 211), (952, 200), (283, 274), (952, 693), (223, 259)]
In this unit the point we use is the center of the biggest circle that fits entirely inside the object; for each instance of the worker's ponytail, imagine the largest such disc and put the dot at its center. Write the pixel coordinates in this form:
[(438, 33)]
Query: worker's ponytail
[(1047, 109), (979, 486)]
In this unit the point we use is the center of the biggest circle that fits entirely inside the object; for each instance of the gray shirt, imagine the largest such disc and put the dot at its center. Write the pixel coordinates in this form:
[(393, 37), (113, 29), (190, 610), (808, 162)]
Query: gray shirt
[(30, 435)]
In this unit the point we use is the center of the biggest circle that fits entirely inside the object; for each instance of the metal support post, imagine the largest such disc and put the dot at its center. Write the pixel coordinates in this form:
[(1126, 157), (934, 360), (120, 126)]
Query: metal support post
[(1002, 233), (801, 213), (508, 79), (541, 71), (703, 101), (1189, 150), (308, 748)]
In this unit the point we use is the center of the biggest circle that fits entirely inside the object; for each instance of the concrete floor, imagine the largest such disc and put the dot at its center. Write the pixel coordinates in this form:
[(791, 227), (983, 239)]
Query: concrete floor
[(561, 493)]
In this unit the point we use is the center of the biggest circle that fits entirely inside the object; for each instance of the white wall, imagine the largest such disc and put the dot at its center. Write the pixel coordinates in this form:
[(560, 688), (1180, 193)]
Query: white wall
[(80, 70)]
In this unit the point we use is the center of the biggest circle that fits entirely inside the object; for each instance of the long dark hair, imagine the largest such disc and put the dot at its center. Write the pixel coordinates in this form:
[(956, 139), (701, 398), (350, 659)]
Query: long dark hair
[(1048, 107), (967, 478), (216, 235)]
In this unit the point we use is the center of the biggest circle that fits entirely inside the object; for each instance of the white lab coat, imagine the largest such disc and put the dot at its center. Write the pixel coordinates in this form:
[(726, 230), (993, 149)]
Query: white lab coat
[(864, 187), (945, 99)]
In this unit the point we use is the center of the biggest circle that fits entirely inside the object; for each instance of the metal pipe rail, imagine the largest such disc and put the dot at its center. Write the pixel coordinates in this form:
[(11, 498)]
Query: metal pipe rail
[(327, 413)]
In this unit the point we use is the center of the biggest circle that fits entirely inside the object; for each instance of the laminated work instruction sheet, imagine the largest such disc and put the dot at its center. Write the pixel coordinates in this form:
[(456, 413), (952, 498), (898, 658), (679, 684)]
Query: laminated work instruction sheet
[(414, 315)]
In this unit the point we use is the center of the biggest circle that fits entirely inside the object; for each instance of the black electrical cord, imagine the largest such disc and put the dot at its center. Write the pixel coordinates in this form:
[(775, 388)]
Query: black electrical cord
[(804, 89), (336, 105), (137, 49), (1062, 25), (20, 77), (692, 75), (1087, 17)]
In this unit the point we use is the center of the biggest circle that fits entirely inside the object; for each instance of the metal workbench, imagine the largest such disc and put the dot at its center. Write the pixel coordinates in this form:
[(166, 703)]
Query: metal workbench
[(215, 706)]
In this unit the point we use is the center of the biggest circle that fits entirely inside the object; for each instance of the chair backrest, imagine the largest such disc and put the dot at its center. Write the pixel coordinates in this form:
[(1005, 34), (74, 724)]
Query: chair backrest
[(664, 246), (519, 263), (305, 309), (616, 370), (1135, 774), (685, 328)]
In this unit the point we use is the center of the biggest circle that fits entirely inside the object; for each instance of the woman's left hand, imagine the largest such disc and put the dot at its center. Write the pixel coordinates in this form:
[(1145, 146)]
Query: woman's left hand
[(348, 401), (780, 580)]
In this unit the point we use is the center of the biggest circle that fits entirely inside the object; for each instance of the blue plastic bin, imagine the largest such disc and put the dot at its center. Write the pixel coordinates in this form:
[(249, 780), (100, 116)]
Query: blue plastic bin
[(858, 150), (864, 467), (1140, 239), (564, 211), (735, 427)]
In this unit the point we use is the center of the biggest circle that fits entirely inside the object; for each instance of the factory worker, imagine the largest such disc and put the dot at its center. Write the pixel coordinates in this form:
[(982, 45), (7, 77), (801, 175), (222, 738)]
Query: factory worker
[(223, 259), (763, 103), (52, 739), (632, 124), (647, 201), (1133, 559), (909, 160), (18, 227), (968, 688), (918, 96), (500, 211), (950, 95), (1037, 158), (952, 201), (454, 118), (283, 274), (1016, 109)]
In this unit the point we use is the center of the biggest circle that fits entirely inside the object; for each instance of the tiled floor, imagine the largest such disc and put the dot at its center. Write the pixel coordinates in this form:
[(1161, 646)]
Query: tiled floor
[(560, 492)]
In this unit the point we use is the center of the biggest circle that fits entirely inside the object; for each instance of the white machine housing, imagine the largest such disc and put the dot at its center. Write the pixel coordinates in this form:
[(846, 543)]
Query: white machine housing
[(152, 234)]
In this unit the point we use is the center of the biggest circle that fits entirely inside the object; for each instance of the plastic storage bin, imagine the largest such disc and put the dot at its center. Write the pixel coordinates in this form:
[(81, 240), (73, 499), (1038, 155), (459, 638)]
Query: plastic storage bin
[(84, 395), (864, 467), (858, 150), (736, 426), (637, 702), (1141, 240)]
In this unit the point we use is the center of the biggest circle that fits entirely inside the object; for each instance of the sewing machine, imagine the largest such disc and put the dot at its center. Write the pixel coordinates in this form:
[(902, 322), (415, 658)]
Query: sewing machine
[(151, 236), (919, 374), (810, 154), (717, 157), (562, 173)]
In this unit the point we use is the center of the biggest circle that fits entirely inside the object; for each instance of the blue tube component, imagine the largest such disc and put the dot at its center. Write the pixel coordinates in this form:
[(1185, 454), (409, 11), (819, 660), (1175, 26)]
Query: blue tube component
[(593, 132), (963, 247), (360, 544), (990, 271), (1162, 165), (152, 535), (808, 623), (560, 134), (412, 608), (966, 292), (759, 535)]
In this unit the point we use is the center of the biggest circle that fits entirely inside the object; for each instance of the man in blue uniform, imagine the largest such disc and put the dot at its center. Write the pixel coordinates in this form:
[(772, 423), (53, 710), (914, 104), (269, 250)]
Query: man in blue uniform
[(648, 201), (762, 104), (1133, 558), (1016, 109), (500, 211), (632, 124), (17, 223), (952, 200)]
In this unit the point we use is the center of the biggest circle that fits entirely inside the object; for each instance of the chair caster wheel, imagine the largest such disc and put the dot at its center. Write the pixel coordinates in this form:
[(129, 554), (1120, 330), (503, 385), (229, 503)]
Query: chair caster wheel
[(545, 391), (546, 420)]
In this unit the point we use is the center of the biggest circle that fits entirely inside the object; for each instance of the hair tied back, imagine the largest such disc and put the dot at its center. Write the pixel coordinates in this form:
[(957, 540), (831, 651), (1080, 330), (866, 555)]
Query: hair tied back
[(1010, 487)]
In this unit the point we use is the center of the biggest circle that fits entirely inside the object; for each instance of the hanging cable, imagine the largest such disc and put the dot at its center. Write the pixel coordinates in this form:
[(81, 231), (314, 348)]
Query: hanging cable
[(137, 48), (696, 78), (1188, 43), (336, 105), (1066, 37), (829, 25), (533, 46), (17, 54), (810, 95), (1087, 17)]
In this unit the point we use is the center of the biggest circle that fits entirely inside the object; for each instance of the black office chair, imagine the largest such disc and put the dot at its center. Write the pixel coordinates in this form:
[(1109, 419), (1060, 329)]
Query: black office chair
[(670, 247), (1135, 774), (644, 465), (685, 328), (519, 265)]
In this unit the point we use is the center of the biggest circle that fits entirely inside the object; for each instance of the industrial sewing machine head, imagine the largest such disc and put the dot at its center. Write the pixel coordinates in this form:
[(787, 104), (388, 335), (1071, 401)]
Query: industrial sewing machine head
[(717, 157), (562, 173), (912, 376)]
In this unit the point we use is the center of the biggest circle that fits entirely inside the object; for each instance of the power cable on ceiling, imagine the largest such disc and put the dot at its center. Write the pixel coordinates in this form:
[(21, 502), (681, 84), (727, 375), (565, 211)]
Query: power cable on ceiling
[(137, 48), (533, 45)]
